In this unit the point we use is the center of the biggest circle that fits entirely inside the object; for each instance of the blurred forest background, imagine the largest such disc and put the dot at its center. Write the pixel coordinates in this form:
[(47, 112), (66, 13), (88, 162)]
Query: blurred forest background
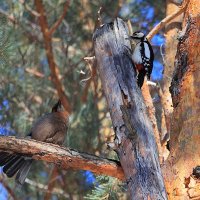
[(27, 89)]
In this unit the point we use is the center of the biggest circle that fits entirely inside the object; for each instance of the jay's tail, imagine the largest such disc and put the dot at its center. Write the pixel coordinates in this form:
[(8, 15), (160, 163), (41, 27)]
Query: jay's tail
[(15, 164)]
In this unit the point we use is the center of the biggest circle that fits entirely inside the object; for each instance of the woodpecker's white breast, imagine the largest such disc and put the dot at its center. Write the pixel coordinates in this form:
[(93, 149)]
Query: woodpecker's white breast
[(146, 50), (137, 57)]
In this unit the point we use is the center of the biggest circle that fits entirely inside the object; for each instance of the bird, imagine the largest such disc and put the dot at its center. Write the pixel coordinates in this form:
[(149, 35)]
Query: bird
[(142, 56), (51, 128)]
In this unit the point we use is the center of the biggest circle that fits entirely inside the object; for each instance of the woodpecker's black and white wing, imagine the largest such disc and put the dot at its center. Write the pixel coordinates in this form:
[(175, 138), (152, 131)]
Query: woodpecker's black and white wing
[(147, 57)]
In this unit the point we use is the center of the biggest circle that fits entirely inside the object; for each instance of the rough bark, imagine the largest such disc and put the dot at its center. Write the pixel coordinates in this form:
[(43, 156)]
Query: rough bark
[(185, 137), (61, 156), (171, 33), (134, 143), (151, 113)]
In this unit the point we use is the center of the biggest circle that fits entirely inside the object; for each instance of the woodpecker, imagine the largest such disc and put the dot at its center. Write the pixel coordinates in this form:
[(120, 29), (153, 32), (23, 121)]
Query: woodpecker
[(142, 56), (51, 127)]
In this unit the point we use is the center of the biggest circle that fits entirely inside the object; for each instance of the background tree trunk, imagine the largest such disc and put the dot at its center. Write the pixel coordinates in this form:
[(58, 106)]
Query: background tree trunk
[(185, 131), (134, 141), (171, 33)]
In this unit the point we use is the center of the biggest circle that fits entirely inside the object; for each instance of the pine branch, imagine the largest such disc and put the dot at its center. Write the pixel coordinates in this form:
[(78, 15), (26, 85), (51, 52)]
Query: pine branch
[(162, 24), (51, 183), (44, 188), (63, 157), (7, 187), (50, 56), (25, 24), (58, 22)]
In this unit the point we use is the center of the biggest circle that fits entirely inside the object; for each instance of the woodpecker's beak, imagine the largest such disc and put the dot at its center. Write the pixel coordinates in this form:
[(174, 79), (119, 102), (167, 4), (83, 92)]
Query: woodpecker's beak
[(129, 38)]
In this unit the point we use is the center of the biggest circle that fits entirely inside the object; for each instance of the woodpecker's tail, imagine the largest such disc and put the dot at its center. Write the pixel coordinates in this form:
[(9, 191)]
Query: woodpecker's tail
[(140, 78), (15, 164)]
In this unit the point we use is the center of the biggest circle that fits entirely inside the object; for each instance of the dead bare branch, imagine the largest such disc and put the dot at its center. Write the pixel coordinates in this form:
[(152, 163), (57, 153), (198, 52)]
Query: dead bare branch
[(34, 72), (161, 24)]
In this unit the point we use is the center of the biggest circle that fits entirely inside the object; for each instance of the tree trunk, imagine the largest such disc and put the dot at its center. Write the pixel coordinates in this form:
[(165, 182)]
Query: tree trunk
[(134, 143), (185, 137), (171, 33)]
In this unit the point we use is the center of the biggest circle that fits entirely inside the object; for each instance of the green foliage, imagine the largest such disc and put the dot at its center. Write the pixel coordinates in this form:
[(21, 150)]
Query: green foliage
[(86, 123), (107, 188)]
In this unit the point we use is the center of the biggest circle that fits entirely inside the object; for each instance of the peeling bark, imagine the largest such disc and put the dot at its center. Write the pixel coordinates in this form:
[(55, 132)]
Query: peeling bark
[(171, 33), (185, 137), (134, 142)]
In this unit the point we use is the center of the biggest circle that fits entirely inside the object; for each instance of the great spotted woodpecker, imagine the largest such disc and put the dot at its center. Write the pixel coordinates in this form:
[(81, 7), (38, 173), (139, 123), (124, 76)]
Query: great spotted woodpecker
[(142, 57)]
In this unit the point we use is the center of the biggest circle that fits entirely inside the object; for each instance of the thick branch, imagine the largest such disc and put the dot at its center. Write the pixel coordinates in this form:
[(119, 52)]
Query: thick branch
[(162, 24), (58, 22), (50, 57), (185, 140), (61, 156)]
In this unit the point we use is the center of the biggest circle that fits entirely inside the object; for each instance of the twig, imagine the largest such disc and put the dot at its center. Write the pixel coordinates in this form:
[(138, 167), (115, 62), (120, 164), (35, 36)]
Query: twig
[(58, 22), (88, 78), (161, 24), (28, 8), (162, 54), (90, 62), (33, 34), (51, 183), (7, 187), (119, 5), (89, 58), (34, 72), (130, 28), (40, 186), (99, 19), (61, 156)]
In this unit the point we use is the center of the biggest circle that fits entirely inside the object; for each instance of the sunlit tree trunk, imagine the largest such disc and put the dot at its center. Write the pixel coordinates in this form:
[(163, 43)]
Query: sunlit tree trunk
[(185, 125), (171, 32)]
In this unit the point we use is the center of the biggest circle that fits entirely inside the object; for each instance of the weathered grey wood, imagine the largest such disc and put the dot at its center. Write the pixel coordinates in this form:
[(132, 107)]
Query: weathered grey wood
[(135, 143)]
